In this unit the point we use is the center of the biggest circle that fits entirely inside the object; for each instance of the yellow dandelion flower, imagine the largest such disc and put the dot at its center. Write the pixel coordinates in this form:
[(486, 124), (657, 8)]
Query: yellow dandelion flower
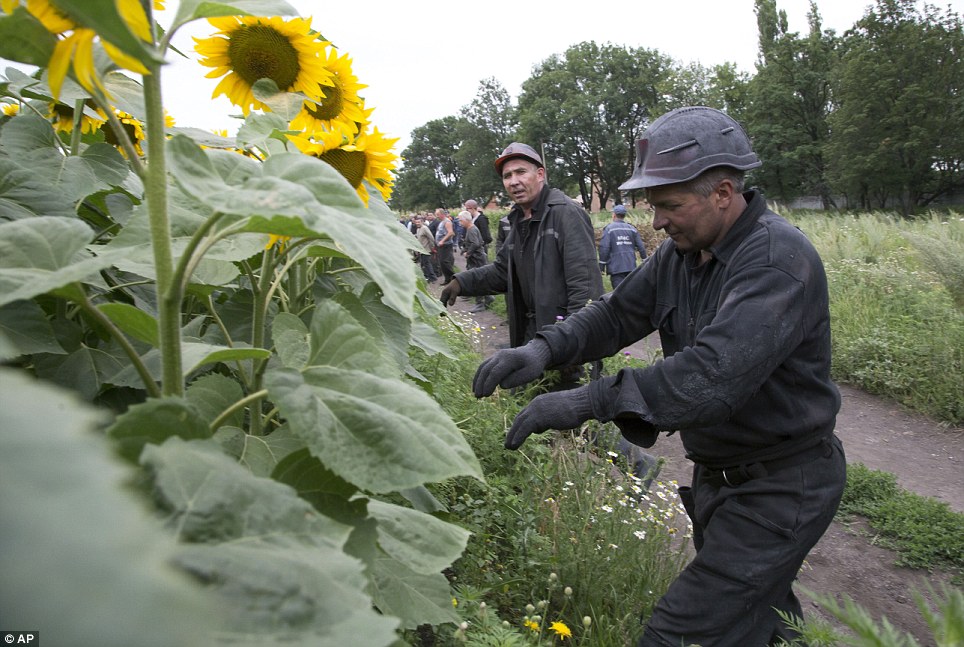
[(341, 108), (75, 44), (275, 239), (248, 48), (11, 109), (62, 117), (159, 5), (9, 5), (532, 626), (561, 630), (365, 158)]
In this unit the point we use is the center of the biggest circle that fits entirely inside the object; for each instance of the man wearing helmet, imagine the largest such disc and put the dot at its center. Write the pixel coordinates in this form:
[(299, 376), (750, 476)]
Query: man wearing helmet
[(739, 297), (547, 267)]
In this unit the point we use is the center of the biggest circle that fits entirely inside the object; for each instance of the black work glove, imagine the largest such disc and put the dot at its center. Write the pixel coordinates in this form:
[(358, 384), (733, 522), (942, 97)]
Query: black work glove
[(512, 367), (558, 410), (450, 293)]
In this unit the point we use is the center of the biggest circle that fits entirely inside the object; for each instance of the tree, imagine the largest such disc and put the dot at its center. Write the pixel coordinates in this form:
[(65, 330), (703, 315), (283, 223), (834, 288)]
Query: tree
[(587, 108), (898, 133), (789, 101), (431, 176), (488, 125)]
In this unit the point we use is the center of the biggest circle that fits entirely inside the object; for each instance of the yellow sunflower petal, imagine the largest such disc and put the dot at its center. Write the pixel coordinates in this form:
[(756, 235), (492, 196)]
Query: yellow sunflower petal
[(124, 60), (133, 14), (55, 21), (59, 64), (84, 60)]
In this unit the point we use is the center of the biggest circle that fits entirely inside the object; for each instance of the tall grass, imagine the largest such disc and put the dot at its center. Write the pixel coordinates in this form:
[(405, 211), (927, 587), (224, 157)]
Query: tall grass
[(561, 532), (896, 299)]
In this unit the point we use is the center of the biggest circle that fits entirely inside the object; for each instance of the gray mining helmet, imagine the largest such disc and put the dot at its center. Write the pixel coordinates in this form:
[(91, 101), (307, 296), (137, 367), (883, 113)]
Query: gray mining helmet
[(685, 142)]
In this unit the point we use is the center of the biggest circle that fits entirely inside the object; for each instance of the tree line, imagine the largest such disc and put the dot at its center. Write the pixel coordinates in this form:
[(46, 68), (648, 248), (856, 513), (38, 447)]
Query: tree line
[(871, 118)]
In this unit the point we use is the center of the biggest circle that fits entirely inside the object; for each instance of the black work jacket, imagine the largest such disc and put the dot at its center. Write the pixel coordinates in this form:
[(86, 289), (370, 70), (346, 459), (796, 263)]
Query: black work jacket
[(566, 271), (745, 337)]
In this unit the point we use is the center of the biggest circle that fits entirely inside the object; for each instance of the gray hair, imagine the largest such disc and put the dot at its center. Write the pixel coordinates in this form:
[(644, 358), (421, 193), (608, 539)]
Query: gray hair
[(704, 183)]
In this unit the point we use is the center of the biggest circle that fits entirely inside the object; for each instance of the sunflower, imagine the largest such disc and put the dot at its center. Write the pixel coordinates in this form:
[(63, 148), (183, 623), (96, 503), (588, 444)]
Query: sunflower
[(341, 108), (365, 158), (249, 48), (134, 129), (62, 117), (76, 43)]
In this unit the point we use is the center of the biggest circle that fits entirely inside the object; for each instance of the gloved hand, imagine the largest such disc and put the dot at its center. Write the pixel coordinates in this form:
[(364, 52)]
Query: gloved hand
[(450, 292), (557, 410), (511, 367)]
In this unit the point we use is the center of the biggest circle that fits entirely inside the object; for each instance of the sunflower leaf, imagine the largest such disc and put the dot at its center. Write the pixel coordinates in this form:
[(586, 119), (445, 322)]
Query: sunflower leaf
[(153, 422), (423, 543), (380, 434), (286, 105), (41, 254), (24, 39), (416, 598), (189, 10), (279, 565)]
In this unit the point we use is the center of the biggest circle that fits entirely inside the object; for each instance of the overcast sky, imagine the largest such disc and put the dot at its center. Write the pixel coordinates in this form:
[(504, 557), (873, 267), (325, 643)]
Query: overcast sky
[(423, 60)]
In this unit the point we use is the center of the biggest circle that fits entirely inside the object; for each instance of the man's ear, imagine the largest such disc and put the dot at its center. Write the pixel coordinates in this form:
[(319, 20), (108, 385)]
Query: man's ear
[(724, 193)]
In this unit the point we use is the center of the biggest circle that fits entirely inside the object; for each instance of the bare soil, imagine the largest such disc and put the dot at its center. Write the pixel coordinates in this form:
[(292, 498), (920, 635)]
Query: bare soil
[(927, 458)]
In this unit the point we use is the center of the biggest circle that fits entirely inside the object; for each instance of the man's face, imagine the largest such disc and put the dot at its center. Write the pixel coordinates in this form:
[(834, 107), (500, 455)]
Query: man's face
[(692, 221), (472, 207), (523, 181)]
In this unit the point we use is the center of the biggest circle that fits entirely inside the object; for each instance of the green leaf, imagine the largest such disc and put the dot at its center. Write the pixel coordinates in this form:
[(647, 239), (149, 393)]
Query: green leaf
[(86, 370), (290, 335), (133, 321), (26, 327), (420, 541), (125, 94), (423, 500), (74, 538), (212, 394), (279, 565), (102, 17), (38, 177), (369, 235), (260, 454), (380, 434), (428, 339), (260, 129), (155, 421), (414, 597), (41, 254), (391, 329), (24, 39), (189, 10), (286, 105), (338, 340)]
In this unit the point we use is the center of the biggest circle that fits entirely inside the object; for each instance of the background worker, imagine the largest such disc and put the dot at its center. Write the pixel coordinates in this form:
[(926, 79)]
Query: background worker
[(547, 267), (618, 246)]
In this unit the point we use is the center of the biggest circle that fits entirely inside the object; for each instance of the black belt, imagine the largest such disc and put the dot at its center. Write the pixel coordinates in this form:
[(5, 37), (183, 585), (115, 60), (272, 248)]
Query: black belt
[(740, 474)]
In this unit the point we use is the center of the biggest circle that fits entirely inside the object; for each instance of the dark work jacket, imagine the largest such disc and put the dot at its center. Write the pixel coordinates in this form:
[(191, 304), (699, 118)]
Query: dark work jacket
[(618, 246), (746, 341), (566, 272)]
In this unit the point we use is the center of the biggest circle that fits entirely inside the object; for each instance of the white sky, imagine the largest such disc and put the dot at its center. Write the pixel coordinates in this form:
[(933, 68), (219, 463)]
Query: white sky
[(423, 60)]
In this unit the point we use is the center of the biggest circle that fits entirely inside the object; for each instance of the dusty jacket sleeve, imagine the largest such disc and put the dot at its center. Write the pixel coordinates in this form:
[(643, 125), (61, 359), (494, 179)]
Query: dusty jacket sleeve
[(583, 281), (492, 278)]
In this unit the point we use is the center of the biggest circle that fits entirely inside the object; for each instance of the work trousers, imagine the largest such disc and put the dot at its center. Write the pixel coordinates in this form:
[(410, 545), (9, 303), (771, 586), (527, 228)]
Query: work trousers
[(446, 259), (750, 542)]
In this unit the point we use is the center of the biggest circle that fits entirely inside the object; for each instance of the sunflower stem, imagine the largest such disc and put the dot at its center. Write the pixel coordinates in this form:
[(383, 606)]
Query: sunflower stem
[(168, 290), (260, 317), (75, 133)]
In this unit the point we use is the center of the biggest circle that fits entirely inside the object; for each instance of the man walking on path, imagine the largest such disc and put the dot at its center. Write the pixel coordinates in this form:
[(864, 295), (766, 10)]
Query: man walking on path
[(739, 297), (480, 221), (473, 249), (547, 267), (427, 241), (445, 245), (618, 246)]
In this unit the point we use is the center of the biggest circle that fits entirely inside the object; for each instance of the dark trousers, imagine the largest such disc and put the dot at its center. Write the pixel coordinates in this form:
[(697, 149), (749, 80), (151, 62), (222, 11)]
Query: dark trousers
[(750, 543), (616, 279), (428, 270), (446, 259)]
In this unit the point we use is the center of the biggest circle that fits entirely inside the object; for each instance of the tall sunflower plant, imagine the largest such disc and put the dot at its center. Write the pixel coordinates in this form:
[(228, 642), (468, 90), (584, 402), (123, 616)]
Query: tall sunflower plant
[(224, 323)]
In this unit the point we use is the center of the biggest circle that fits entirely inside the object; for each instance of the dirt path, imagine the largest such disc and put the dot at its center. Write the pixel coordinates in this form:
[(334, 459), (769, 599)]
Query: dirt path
[(926, 457)]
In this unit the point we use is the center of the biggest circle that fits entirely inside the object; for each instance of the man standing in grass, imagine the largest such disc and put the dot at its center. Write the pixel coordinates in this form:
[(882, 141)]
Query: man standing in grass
[(618, 246), (739, 297)]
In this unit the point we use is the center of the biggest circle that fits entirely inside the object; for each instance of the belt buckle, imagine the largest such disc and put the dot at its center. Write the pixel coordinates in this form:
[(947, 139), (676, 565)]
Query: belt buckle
[(726, 479)]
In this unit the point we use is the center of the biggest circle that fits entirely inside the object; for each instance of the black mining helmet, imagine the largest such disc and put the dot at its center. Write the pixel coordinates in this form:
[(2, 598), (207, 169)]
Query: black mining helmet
[(685, 142)]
